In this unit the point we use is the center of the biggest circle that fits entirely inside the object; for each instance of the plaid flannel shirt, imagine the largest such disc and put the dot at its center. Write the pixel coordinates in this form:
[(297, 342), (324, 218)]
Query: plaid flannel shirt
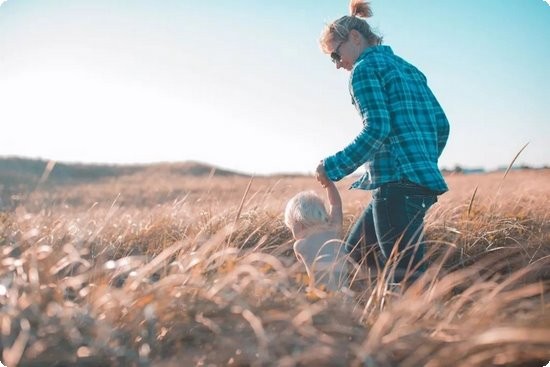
[(404, 127)]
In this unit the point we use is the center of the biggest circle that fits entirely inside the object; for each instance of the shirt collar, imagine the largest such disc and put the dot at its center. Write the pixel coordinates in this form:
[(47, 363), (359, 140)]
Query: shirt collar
[(374, 49)]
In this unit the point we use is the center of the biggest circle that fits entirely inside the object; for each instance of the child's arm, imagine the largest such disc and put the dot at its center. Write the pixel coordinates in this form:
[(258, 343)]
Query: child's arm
[(334, 199), (335, 202)]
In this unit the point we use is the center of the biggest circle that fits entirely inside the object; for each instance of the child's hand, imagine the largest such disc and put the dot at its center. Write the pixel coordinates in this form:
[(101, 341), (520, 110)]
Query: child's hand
[(321, 175)]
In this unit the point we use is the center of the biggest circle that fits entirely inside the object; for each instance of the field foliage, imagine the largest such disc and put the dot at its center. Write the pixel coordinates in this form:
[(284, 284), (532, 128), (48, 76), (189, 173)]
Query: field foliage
[(155, 268)]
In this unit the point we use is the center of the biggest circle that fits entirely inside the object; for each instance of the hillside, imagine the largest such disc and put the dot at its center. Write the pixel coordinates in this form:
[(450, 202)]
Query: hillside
[(19, 176)]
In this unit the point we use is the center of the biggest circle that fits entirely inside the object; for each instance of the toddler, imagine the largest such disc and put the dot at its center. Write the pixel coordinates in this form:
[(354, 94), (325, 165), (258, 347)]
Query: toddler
[(317, 234)]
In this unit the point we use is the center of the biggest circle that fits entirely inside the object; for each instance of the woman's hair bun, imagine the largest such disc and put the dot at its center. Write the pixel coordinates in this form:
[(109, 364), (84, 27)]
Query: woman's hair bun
[(360, 8)]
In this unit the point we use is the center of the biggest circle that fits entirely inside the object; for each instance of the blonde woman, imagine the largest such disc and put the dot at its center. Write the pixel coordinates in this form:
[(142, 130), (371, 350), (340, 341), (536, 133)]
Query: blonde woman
[(403, 134)]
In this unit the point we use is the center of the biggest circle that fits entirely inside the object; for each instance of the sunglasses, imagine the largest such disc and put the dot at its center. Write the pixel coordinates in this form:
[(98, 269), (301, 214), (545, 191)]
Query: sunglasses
[(335, 55)]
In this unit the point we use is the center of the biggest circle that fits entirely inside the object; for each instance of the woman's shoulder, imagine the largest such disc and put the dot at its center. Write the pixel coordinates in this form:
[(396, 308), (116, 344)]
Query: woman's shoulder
[(375, 59), (365, 70)]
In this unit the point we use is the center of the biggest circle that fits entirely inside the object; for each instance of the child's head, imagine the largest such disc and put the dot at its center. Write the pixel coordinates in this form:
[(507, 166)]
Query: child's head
[(305, 210)]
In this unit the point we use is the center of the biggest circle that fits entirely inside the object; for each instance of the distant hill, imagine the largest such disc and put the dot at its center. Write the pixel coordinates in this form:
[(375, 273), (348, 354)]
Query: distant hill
[(22, 174)]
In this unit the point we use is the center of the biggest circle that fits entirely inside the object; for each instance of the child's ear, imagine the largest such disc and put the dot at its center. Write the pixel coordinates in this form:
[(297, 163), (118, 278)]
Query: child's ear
[(296, 229)]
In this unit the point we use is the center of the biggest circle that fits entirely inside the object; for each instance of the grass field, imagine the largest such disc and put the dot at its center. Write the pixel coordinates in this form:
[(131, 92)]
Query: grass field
[(159, 269)]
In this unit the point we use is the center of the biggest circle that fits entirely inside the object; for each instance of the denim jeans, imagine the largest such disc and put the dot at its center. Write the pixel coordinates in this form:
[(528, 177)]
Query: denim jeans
[(394, 217)]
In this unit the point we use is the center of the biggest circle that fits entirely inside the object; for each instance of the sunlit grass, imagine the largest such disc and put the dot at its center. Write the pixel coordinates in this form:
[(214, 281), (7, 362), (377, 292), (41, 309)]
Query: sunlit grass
[(170, 271)]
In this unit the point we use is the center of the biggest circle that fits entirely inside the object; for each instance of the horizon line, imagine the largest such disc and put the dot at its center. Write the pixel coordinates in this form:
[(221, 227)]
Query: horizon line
[(457, 167)]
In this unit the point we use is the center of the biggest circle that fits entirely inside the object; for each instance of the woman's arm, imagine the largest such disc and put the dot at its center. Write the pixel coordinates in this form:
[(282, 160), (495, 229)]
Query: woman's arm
[(370, 99)]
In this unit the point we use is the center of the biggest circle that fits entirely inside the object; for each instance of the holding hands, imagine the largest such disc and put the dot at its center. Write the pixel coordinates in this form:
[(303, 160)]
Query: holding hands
[(321, 175)]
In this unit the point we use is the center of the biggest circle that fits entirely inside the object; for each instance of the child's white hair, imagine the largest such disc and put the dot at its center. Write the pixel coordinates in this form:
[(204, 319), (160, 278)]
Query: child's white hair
[(307, 209)]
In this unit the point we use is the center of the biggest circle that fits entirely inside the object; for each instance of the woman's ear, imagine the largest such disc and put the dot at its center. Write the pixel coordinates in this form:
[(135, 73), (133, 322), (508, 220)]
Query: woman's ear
[(355, 36)]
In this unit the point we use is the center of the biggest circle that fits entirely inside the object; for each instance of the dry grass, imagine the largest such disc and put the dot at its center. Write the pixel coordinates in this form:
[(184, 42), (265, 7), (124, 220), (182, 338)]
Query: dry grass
[(170, 271)]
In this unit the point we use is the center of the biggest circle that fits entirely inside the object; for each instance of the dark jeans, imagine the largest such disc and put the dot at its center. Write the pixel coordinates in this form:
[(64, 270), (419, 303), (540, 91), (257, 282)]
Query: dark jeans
[(395, 216)]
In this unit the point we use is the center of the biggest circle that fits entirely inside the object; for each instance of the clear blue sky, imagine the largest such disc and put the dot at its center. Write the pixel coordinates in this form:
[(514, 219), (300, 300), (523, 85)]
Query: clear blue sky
[(244, 85)]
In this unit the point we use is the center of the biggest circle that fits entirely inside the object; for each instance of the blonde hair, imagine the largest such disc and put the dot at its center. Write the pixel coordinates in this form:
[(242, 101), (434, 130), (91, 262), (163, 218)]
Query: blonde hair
[(307, 209), (339, 29)]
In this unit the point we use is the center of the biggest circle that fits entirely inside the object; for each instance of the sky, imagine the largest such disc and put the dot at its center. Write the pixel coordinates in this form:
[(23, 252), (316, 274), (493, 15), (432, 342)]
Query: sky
[(243, 84)]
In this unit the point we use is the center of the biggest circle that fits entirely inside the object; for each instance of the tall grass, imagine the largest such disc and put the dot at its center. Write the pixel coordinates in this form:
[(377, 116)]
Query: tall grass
[(201, 272)]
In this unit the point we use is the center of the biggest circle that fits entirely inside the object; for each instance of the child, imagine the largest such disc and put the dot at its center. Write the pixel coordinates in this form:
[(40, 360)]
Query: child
[(317, 234)]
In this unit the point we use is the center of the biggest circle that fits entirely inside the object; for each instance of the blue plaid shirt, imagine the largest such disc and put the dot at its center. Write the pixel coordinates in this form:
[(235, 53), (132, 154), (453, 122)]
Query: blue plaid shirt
[(404, 127)]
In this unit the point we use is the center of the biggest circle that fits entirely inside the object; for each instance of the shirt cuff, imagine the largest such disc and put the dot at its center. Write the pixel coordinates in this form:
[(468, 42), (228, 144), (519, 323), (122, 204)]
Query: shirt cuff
[(331, 169)]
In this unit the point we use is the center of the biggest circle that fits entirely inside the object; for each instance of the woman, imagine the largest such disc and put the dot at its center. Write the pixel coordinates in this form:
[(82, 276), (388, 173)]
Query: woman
[(404, 132)]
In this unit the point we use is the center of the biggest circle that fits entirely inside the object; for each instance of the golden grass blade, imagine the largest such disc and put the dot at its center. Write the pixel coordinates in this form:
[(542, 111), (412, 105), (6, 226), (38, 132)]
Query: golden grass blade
[(256, 325), (472, 201), (12, 355), (243, 199), (239, 210), (501, 335), (506, 173), (512, 163), (154, 264), (47, 170)]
